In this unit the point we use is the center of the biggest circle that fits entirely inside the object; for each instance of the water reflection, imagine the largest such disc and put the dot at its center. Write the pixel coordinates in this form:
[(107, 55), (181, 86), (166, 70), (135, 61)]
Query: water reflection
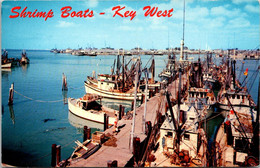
[(65, 96), (12, 116), (24, 67), (78, 122)]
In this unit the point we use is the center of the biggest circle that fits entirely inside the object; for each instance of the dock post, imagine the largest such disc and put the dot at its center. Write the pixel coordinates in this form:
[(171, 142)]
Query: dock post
[(64, 82), (150, 94), (89, 133), (123, 111), (120, 112), (111, 163), (137, 148), (11, 95), (85, 134), (58, 154), (132, 106), (53, 155), (142, 98), (156, 89), (105, 121)]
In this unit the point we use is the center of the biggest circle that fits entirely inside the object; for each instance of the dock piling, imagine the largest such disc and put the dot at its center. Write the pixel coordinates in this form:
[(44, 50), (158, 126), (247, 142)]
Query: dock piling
[(120, 112), (156, 89), (111, 163), (11, 95), (58, 153), (123, 111), (64, 82), (89, 133), (137, 148), (132, 106), (105, 121), (85, 133), (53, 155)]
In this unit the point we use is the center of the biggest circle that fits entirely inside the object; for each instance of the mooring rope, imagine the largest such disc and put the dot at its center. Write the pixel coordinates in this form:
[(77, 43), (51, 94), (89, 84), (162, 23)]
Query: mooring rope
[(41, 101), (76, 88)]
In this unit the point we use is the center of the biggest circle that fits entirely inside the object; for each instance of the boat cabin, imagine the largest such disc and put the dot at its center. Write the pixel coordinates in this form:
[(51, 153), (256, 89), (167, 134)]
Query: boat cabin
[(199, 97), (190, 139), (106, 82)]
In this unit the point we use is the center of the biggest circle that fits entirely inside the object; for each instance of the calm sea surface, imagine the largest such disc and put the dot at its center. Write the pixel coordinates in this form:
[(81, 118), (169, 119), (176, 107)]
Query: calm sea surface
[(26, 138)]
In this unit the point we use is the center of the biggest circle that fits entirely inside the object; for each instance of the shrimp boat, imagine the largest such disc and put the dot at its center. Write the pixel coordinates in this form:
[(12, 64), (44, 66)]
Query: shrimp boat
[(118, 85), (181, 138), (105, 86), (234, 144), (82, 151), (88, 108), (24, 60)]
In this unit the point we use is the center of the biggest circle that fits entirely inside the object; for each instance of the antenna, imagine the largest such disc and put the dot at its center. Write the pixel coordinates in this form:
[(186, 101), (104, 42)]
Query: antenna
[(183, 28)]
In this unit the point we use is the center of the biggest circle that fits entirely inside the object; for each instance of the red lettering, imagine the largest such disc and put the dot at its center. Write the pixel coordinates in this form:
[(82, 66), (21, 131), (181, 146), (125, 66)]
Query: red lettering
[(150, 11), (85, 13), (49, 14), (23, 13), (13, 11), (130, 14), (91, 14), (117, 11), (65, 11), (170, 11), (73, 14), (79, 14)]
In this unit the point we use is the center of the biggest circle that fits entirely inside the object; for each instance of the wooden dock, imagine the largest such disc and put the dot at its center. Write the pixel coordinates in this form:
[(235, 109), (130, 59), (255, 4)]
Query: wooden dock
[(122, 152)]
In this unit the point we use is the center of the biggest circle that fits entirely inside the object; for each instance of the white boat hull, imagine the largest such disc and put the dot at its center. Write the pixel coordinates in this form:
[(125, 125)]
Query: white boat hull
[(111, 95), (7, 65), (238, 108), (92, 115)]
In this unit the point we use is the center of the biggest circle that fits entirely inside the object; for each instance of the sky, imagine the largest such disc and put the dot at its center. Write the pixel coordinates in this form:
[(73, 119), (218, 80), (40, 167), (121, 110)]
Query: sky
[(209, 24)]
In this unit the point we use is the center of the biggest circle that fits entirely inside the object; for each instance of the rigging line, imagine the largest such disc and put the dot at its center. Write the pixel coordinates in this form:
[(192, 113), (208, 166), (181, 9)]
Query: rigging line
[(41, 101), (254, 78)]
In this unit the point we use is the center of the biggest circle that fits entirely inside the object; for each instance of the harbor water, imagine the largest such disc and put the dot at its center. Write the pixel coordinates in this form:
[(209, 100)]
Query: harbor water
[(31, 126)]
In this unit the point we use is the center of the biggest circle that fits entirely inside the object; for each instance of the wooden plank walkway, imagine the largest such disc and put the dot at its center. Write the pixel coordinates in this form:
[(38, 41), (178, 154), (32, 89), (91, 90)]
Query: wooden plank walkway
[(122, 152)]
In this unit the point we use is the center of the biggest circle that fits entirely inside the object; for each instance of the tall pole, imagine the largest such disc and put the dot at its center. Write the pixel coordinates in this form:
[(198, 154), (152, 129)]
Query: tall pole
[(183, 29), (123, 72), (133, 120), (145, 105)]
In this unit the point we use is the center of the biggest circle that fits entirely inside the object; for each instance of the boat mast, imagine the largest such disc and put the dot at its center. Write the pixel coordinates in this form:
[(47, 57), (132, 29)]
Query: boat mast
[(145, 105), (133, 120), (123, 71), (183, 29)]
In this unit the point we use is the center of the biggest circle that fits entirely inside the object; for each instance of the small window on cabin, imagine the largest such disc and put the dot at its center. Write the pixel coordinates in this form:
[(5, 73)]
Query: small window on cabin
[(169, 134), (186, 137), (192, 94), (209, 74), (238, 96), (201, 94), (191, 118), (233, 96)]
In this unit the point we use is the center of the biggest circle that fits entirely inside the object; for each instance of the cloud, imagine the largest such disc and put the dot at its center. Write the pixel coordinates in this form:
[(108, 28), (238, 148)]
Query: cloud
[(64, 24), (92, 3), (130, 28), (223, 11), (251, 8), (243, 1), (238, 23)]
